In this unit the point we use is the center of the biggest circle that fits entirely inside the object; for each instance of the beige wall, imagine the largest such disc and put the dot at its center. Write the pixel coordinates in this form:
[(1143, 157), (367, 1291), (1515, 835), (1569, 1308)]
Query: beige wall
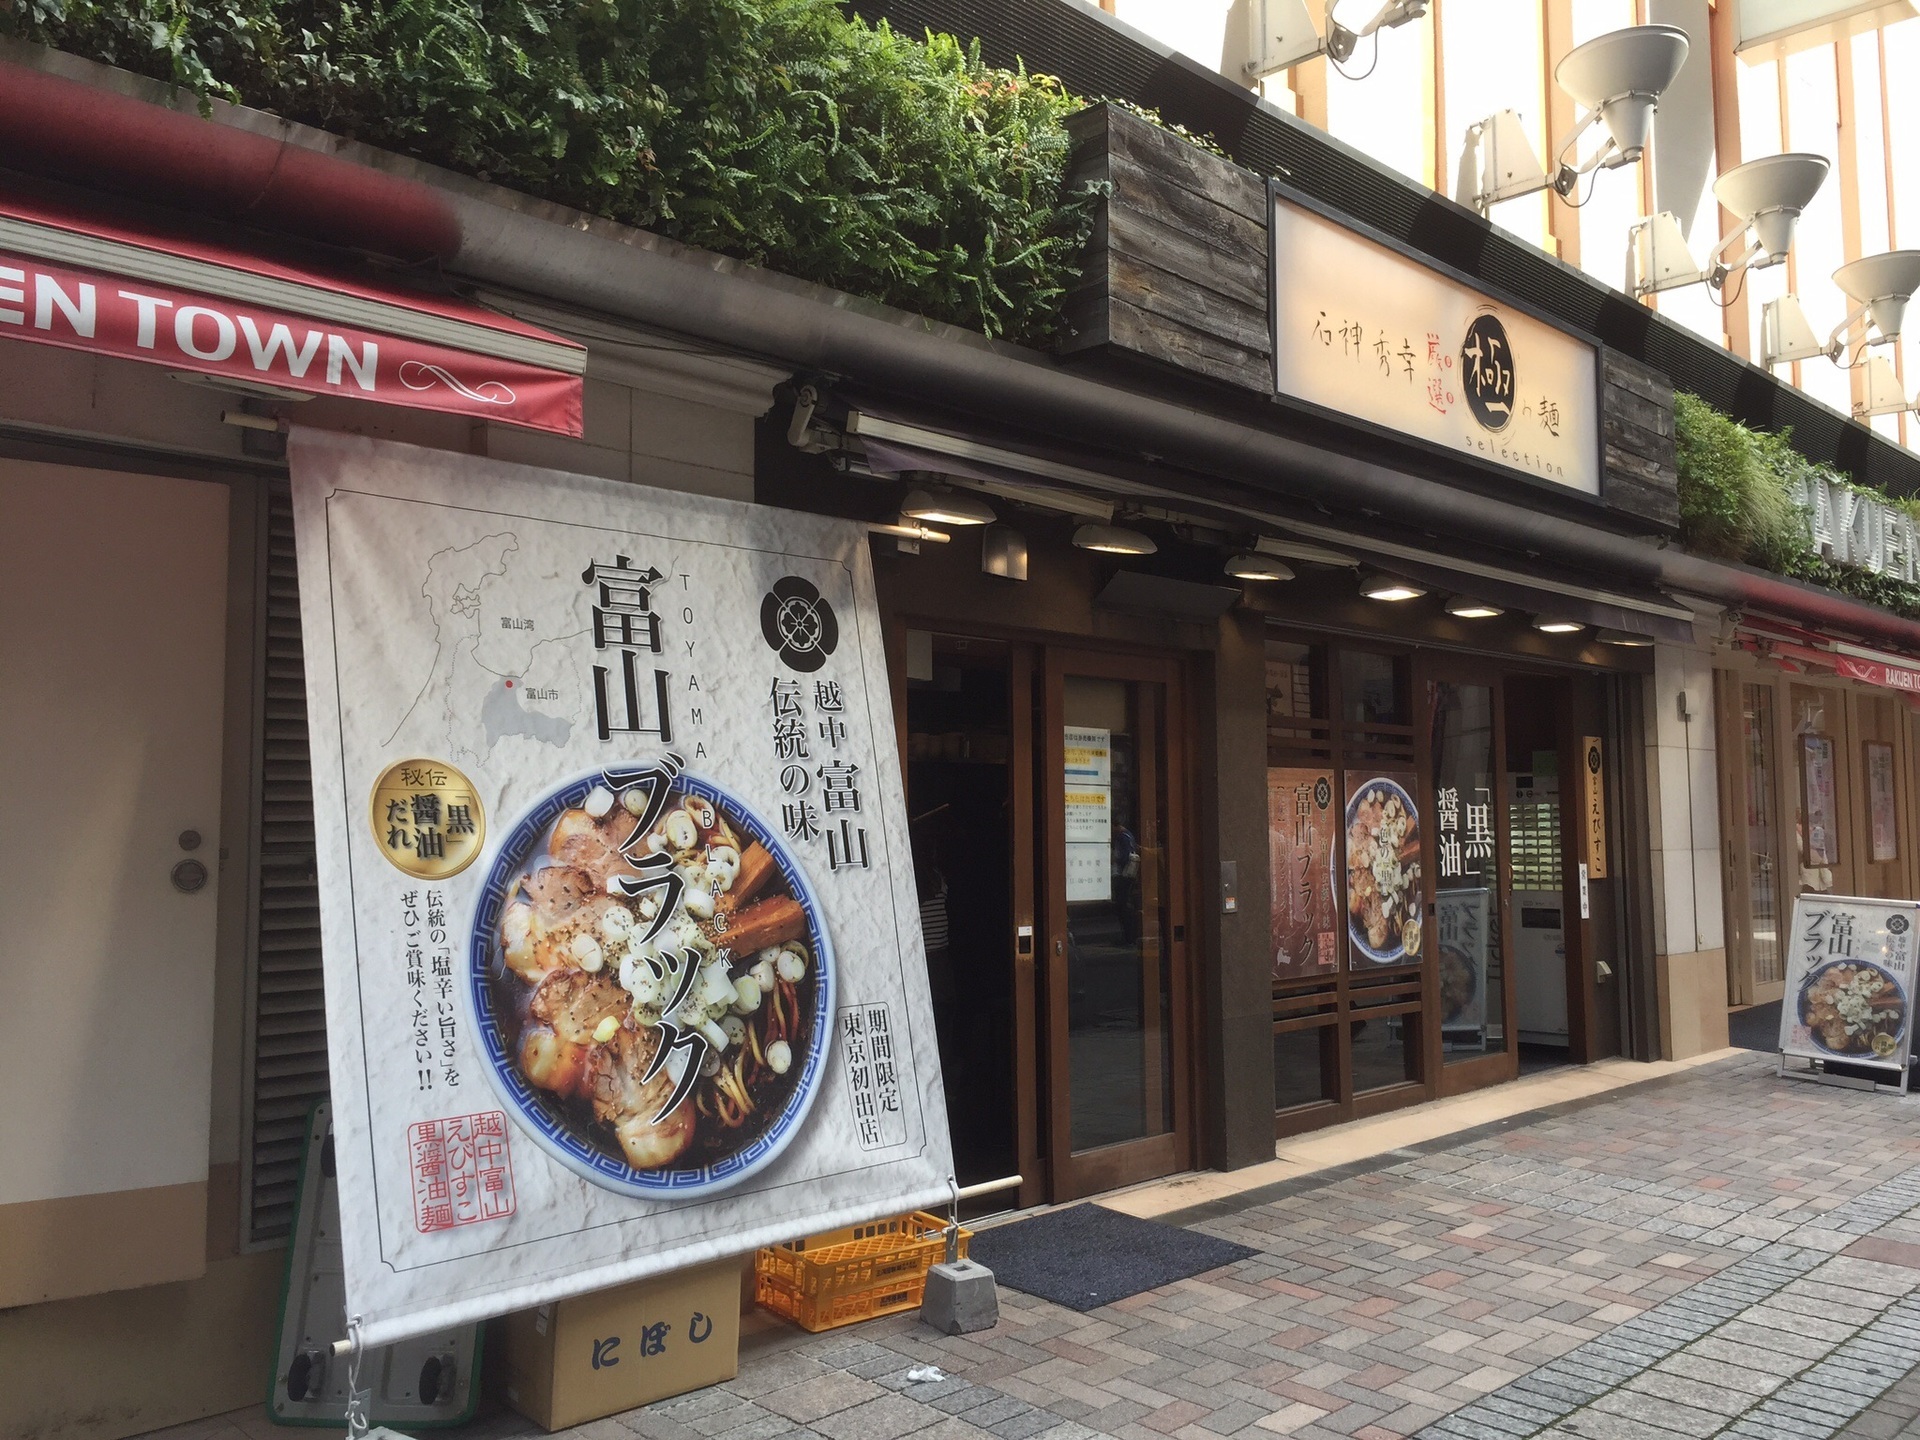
[(1683, 810), (114, 1364)]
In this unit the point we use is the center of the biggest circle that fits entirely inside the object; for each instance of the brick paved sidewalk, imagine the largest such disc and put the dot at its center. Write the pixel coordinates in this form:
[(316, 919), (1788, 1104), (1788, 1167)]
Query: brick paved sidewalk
[(1721, 1253)]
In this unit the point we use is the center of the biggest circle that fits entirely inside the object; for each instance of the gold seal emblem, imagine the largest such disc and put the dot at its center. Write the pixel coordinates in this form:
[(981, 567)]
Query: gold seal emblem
[(427, 819)]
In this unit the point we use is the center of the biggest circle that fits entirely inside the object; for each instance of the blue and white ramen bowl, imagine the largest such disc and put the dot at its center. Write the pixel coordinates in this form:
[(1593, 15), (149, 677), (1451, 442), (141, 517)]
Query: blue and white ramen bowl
[(566, 994)]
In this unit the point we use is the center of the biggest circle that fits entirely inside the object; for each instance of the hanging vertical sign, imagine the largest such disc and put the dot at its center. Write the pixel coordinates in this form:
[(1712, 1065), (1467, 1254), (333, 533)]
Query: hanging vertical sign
[(1850, 981), (1300, 828), (1593, 779), (623, 961)]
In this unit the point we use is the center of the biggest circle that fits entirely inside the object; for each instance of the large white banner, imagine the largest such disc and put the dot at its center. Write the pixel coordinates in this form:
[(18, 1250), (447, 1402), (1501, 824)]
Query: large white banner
[(623, 960)]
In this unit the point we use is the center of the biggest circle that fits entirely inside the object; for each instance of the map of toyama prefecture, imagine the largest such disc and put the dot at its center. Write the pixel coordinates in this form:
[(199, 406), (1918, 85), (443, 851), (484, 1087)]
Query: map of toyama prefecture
[(623, 960), (493, 674)]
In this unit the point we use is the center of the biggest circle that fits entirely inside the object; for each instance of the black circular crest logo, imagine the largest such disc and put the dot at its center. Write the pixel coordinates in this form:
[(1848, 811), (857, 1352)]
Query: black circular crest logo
[(798, 624), (1322, 793), (1593, 759), (1897, 924), (1486, 371)]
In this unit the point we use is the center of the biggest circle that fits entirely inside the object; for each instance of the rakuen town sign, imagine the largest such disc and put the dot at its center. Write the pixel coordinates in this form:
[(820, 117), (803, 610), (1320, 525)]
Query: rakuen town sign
[(1371, 334)]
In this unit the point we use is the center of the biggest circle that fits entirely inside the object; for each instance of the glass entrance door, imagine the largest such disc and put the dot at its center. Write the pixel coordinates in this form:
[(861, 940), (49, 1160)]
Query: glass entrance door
[(1470, 821), (1116, 931)]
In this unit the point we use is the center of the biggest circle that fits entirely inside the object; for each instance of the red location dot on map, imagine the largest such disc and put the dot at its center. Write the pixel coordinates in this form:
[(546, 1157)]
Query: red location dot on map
[(509, 684)]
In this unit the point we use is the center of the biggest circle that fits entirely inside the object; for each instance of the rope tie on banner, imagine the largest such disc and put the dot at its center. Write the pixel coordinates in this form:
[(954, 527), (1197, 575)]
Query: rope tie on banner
[(357, 1399)]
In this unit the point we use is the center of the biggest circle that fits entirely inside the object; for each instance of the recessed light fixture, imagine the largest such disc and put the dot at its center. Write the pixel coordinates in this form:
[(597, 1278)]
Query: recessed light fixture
[(1623, 637), (946, 507), (1113, 540), (1258, 567), (1554, 625), (1377, 585), (1466, 608)]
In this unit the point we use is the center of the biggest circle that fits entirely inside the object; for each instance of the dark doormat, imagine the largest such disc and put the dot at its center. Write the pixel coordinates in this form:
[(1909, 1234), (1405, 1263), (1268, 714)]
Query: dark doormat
[(1755, 1028), (1086, 1256)]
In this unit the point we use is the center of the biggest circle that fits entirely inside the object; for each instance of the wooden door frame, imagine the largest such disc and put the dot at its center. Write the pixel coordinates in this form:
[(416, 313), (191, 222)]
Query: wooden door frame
[(1075, 1174), (1464, 1075)]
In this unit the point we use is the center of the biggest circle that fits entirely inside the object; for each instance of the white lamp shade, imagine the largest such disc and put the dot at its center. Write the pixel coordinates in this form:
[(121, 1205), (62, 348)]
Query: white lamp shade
[(1258, 567), (1113, 540), (946, 507), (1639, 60), (1769, 193)]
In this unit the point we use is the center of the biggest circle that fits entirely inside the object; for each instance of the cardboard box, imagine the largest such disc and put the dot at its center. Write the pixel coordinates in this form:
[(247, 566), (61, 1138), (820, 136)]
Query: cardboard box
[(594, 1355)]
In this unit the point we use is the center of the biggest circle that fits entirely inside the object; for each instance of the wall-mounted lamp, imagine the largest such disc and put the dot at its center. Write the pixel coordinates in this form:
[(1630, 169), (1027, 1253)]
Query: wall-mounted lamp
[(1555, 625), (1627, 639), (1767, 194), (939, 506), (1113, 540), (1378, 585), (1258, 567), (1283, 35), (1464, 607), (1617, 79), (1879, 286)]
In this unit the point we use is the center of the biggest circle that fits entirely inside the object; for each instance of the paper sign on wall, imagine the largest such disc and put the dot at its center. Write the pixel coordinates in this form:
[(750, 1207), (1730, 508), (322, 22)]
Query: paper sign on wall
[(623, 960)]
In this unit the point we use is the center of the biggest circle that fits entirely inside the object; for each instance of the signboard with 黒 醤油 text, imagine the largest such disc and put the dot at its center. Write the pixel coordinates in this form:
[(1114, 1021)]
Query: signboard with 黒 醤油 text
[(623, 960)]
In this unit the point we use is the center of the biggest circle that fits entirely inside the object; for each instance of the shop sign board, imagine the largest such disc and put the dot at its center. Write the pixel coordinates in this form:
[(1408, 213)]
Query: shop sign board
[(1301, 821), (1850, 981), (1367, 332), (623, 960), (1382, 885)]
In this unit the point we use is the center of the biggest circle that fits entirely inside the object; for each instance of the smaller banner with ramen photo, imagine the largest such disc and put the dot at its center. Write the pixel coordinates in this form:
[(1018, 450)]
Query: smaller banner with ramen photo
[(1850, 979), (623, 960), (1383, 888)]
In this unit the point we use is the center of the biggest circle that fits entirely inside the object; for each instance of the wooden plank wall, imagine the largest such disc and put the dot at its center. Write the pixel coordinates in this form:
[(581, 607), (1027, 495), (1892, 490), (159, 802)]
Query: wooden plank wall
[(1176, 273)]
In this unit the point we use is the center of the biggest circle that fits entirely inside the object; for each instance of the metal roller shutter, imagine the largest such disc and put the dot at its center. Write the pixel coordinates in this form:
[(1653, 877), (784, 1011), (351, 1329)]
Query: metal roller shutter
[(289, 1051)]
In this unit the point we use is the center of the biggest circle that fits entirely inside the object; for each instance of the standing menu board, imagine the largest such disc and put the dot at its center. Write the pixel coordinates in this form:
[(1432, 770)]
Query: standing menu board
[(1850, 981), (623, 959)]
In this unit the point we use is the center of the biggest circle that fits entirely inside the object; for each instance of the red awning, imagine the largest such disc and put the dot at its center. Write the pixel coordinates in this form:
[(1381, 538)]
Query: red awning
[(84, 282), (1884, 672)]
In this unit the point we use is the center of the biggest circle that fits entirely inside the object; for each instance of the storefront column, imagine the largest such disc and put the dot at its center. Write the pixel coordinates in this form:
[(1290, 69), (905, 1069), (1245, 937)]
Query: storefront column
[(1237, 992), (1683, 810)]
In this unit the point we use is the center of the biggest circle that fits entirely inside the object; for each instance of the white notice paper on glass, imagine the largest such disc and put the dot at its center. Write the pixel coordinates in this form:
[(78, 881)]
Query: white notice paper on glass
[(1089, 873)]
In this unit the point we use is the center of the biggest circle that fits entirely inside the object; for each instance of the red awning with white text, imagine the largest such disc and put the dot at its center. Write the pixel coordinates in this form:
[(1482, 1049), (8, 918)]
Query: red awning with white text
[(1885, 671), (83, 282)]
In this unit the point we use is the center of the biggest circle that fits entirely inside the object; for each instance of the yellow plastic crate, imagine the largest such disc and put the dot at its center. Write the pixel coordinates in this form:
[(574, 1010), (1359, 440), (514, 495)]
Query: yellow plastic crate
[(853, 1274)]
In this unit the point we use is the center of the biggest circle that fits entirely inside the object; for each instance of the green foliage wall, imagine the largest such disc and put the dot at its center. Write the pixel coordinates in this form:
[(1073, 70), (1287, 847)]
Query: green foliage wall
[(783, 132), (1736, 504)]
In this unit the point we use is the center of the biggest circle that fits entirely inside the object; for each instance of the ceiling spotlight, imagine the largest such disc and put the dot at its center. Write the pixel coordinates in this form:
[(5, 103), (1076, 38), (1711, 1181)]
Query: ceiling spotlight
[(1767, 194), (1378, 585), (1113, 540), (946, 507), (1617, 79), (1625, 638), (1465, 609), (1554, 625), (1258, 567)]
